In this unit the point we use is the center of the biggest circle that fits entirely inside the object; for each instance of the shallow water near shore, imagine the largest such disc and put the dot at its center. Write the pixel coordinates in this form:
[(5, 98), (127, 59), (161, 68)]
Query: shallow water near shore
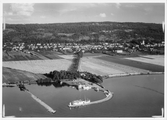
[(134, 96)]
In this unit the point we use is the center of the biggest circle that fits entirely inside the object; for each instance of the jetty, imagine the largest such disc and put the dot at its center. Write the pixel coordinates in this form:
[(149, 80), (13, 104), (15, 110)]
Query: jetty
[(41, 102), (108, 94), (23, 88)]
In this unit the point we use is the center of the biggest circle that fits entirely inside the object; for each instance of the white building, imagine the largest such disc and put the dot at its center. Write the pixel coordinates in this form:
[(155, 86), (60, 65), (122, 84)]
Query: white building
[(119, 51)]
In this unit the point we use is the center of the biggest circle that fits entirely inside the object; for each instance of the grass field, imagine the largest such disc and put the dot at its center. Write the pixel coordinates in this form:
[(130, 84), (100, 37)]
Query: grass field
[(51, 54), (20, 56), (105, 67), (39, 66), (151, 66), (92, 54), (13, 75), (90, 63), (99, 64), (154, 59)]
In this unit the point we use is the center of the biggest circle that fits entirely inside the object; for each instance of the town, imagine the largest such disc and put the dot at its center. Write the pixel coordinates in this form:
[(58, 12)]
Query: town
[(69, 48), (111, 38)]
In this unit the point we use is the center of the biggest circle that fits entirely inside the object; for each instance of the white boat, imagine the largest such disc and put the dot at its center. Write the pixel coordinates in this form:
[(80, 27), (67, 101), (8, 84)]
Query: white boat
[(8, 85), (78, 103), (108, 94)]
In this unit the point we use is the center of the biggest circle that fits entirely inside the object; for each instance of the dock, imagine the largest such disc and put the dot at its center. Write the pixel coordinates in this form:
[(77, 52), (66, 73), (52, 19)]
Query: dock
[(42, 103), (109, 96)]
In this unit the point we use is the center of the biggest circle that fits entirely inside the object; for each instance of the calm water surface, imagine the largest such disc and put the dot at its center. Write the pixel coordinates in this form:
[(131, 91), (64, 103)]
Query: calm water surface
[(134, 96)]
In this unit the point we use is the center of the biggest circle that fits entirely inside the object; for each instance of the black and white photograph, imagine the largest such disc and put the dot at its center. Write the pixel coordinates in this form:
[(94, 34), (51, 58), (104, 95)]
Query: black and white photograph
[(83, 59)]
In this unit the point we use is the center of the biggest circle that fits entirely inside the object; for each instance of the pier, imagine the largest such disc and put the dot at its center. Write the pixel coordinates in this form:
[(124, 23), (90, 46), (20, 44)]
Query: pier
[(41, 102), (109, 96)]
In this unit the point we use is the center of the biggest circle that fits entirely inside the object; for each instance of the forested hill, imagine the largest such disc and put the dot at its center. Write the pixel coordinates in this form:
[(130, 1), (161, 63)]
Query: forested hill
[(90, 32)]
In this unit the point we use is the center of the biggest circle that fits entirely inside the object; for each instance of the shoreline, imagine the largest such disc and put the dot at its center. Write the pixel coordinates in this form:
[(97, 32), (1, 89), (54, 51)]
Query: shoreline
[(131, 74), (4, 84), (86, 84), (98, 88)]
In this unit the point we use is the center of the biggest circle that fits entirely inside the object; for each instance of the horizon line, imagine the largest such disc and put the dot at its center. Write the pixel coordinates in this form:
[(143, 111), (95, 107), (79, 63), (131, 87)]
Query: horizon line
[(85, 22)]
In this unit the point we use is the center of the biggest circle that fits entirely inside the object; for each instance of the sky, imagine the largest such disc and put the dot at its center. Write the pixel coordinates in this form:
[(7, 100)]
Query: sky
[(24, 13)]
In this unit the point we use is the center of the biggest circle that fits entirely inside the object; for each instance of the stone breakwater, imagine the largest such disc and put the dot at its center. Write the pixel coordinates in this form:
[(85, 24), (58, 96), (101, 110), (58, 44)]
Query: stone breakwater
[(108, 94), (93, 86)]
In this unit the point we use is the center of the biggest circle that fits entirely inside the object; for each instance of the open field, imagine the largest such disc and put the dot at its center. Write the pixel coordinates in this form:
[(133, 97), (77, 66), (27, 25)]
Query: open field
[(13, 75), (144, 92), (39, 66), (92, 54), (151, 66), (19, 56), (39, 55), (67, 56), (102, 67), (154, 59), (90, 64), (51, 54)]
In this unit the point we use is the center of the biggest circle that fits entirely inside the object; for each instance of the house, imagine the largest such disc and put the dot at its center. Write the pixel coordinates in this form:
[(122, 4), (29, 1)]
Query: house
[(119, 51)]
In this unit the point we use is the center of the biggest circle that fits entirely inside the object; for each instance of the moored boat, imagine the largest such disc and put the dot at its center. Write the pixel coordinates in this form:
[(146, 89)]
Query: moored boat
[(78, 103)]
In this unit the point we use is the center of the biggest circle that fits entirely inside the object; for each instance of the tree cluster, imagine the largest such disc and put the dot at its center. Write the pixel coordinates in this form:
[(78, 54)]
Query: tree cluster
[(57, 76), (75, 62), (49, 32), (91, 77)]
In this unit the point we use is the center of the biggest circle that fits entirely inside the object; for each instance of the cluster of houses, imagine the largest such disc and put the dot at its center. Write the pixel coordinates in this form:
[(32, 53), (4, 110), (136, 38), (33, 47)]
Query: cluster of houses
[(71, 47), (84, 87)]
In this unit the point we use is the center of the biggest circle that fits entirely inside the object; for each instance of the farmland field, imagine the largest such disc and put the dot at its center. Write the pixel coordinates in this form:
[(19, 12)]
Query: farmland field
[(89, 63), (155, 59), (144, 91), (92, 54), (39, 66), (20, 56), (51, 54), (102, 67), (13, 75), (151, 66)]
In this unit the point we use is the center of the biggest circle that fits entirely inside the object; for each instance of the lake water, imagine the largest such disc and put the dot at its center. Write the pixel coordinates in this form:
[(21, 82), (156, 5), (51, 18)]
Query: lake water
[(134, 96)]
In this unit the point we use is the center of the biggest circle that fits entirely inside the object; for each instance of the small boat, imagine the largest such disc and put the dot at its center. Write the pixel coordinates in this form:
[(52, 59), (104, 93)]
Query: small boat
[(78, 103), (8, 85), (108, 94)]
